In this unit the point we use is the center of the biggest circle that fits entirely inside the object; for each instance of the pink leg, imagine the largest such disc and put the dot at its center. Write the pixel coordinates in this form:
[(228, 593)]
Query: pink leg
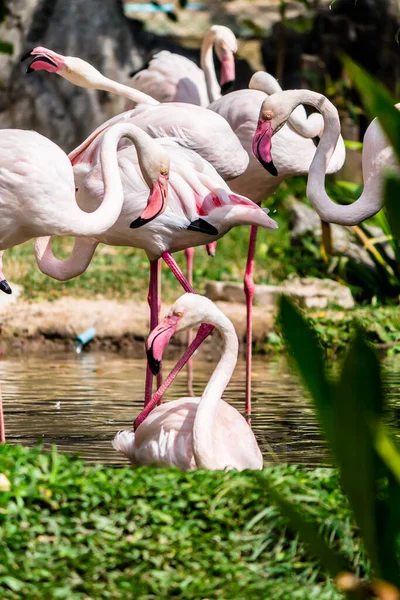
[(203, 332), (2, 428), (189, 252), (159, 264), (249, 291), (152, 299), (171, 262)]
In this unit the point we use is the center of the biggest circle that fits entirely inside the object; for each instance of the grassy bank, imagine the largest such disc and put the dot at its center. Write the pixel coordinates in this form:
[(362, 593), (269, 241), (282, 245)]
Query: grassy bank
[(69, 530)]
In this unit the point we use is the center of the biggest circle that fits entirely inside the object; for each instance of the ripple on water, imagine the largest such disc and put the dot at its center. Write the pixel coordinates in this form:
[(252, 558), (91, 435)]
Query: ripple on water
[(79, 403)]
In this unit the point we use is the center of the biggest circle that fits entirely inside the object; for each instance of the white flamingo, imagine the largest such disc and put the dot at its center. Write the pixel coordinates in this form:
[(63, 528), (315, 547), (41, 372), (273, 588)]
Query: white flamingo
[(193, 433), (172, 77), (293, 153), (200, 208), (377, 155)]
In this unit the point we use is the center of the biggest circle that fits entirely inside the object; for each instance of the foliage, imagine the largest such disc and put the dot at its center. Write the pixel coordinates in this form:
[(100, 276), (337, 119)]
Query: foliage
[(350, 411), (75, 531), (334, 329)]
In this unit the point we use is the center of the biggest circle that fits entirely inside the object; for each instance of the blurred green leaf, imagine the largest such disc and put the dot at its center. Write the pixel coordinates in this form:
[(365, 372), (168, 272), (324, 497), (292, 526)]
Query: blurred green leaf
[(308, 356), (358, 404), (377, 100), (353, 145), (387, 450), (6, 47)]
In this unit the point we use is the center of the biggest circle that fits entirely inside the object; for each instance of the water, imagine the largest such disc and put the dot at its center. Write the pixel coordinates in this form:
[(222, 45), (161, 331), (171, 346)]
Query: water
[(80, 402)]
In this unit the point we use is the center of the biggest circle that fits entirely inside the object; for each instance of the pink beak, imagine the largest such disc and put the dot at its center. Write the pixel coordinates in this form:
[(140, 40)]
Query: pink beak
[(227, 68), (158, 340), (156, 204), (44, 59), (262, 146)]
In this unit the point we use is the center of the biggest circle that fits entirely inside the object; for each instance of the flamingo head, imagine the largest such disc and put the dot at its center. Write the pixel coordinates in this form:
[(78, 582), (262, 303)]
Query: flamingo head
[(225, 45), (75, 70), (155, 169), (188, 311), (272, 117)]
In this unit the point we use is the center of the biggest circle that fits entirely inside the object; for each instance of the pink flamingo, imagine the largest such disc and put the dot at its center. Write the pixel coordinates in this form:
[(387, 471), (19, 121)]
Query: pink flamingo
[(200, 208), (171, 77), (293, 153), (192, 433), (377, 155), (192, 126)]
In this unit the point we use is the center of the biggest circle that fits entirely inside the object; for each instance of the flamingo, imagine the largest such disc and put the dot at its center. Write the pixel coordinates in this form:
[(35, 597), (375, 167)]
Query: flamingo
[(172, 77), (37, 190), (192, 126), (194, 433), (377, 155), (200, 208), (293, 153)]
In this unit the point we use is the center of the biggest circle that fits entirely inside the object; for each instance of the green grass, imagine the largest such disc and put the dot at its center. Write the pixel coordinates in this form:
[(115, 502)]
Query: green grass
[(69, 530)]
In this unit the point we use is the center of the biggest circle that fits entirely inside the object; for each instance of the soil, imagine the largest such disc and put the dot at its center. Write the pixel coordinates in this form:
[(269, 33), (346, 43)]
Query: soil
[(120, 326)]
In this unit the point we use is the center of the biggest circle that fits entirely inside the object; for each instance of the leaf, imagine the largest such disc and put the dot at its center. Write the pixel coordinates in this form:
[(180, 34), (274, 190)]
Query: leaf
[(377, 100), (358, 405), (387, 450), (353, 145), (331, 561), (6, 47), (308, 356)]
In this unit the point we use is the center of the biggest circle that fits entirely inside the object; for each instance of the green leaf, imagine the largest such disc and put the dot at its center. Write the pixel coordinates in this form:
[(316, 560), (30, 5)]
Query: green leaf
[(377, 100), (358, 405), (353, 145), (387, 450), (308, 356), (331, 561), (6, 47)]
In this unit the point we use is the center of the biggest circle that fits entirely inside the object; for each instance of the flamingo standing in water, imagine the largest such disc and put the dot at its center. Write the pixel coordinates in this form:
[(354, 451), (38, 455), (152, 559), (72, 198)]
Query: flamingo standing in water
[(172, 77), (293, 153), (377, 155), (194, 433), (200, 208)]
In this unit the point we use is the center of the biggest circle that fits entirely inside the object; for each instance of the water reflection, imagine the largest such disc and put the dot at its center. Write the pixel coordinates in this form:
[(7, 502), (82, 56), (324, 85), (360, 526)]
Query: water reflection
[(80, 402)]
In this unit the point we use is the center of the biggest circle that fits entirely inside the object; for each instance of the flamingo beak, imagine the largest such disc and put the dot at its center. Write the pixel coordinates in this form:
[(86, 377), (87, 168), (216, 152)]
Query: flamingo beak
[(227, 68), (211, 248), (262, 146), (4, 287), (156, 204), (158, 340), (44, 59)]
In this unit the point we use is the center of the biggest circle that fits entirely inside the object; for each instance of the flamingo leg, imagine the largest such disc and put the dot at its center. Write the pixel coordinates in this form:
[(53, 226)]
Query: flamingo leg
[(152, 299), (204, 330), (159, 265), (171, 262), (189, 253), (249, 292), (2, 428)]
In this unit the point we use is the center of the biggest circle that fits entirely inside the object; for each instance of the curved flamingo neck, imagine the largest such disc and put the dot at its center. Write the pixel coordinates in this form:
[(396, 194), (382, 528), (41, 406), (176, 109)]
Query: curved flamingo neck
[(125, 91), (71, 267), (207, 64), (207, 409)]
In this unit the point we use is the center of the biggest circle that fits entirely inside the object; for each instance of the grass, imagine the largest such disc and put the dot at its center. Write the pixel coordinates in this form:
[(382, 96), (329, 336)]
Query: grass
[(69, 530)]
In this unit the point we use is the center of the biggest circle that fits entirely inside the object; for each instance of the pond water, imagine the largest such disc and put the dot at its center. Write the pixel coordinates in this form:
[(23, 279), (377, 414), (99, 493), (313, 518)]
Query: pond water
[(80, 402)]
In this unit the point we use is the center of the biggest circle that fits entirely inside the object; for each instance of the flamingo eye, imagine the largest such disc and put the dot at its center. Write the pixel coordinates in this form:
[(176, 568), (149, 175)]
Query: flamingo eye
[(268, 116), (178, 314), (164, 171)]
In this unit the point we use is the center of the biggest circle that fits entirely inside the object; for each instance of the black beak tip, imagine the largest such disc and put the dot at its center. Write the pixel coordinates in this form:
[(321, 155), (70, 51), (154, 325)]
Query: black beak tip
[(4, 287), (26, 55), (139, 222), (29, 70), (270, 167), (227, 87), (154, 364)]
